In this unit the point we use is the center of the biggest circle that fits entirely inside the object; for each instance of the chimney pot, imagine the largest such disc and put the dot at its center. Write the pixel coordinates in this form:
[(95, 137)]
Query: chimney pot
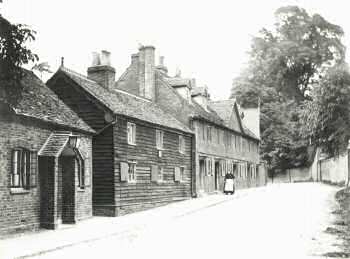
[(95, 59), (105, 58), (101, 70)]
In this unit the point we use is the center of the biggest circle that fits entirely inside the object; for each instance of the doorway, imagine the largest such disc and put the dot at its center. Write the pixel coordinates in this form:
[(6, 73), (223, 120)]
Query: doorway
[(66, 190), (217, 174)]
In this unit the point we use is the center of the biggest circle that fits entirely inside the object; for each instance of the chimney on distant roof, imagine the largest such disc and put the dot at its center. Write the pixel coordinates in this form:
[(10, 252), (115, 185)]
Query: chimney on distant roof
[(101, 70), (161, 67), (147, 72), (201, 96)]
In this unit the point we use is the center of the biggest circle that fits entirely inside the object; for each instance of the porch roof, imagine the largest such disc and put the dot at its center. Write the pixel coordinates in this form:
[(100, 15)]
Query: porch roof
[(55, 144)]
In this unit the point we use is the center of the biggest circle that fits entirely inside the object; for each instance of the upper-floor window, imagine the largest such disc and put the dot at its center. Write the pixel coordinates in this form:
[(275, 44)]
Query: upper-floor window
[(209, 130), (218, 136), (131, 132), (24, 164), (159, 139), (181, 144)]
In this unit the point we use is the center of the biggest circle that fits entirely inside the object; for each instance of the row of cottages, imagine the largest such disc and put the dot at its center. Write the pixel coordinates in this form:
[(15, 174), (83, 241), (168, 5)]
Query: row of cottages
[(45, 161), (222, 143), (142, 156), (89, 145)]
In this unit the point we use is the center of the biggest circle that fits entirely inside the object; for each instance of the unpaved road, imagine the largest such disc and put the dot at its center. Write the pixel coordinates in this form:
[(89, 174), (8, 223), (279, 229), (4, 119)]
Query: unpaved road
[(277, 221)]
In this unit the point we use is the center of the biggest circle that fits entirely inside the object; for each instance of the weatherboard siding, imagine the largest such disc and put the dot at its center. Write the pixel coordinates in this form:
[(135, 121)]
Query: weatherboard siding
[(79, 102), (144, 193)]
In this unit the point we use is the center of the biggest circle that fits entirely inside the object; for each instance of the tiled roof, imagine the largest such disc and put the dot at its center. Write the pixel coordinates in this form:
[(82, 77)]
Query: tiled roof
[(40, 102), (197, 111), (54, 144), (225, 109), (126, 104)]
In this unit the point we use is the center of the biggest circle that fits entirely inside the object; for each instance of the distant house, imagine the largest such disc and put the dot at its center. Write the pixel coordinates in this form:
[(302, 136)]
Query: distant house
[(223, 144), (142, 156), (45, 161)]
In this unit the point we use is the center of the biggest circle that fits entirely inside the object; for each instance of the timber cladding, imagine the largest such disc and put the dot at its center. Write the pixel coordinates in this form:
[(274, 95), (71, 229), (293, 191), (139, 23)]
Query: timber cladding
[(144, 193)]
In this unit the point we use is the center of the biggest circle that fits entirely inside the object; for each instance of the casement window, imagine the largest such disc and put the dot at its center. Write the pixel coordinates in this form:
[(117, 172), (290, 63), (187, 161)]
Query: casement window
[(80, 170), (131, 133), (128, 171), (159, 139), (203, 132), (182, 173), (132, 172), (24, 168), (209, 137), (181, 144), (157, 173), (209, 166)]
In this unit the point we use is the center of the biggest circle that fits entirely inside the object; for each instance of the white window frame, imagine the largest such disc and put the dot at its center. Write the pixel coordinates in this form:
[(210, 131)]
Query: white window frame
[(21, 169), (160, 175), (159, 139), (132, 175), (182, 144), (131, 133)]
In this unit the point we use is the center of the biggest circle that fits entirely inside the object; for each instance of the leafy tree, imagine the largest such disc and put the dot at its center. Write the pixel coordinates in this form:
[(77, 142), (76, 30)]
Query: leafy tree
[(13, 54), (327, 116), (284, 65), (42, 67)]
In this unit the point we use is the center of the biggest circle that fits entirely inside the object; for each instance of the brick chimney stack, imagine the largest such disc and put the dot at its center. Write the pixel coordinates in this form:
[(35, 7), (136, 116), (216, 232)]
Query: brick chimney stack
[(101, 70), (147, 72)]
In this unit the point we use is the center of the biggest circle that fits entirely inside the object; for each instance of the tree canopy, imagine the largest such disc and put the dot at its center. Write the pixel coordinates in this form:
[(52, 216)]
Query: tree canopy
[(327, 116), (284, 65), (14, 53)]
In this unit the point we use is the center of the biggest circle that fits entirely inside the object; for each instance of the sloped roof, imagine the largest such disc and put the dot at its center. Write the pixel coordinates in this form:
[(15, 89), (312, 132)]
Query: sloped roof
[(40, 102), (197, 111), (226, 110), (120, 102), (54, 144)]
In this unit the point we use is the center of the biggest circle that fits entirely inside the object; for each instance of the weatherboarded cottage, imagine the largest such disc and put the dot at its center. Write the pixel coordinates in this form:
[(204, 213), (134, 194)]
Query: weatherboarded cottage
[(142, 156), (45, 161), (223, 143)]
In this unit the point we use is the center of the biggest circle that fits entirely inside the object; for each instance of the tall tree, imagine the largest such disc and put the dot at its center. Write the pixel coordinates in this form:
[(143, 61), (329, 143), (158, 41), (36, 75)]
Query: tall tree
[(327, 116), (284, 65), (14, 53)]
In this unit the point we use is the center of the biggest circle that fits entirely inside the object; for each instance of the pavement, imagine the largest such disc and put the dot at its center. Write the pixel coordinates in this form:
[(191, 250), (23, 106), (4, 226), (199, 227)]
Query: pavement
[(96, 228), (276, 221)]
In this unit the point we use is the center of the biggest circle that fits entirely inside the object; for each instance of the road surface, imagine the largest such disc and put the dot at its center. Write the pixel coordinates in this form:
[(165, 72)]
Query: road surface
[(277, 221)]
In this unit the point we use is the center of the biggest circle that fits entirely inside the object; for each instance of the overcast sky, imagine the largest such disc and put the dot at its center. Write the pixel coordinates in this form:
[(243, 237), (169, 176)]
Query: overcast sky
[(207, 40)]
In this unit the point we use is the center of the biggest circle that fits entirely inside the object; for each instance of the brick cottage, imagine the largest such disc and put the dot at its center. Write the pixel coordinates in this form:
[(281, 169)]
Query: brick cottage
[(45, 161), (142, 156)]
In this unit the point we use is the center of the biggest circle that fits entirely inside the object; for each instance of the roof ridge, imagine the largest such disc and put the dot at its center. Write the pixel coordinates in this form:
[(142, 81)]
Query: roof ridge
[(77, 74)]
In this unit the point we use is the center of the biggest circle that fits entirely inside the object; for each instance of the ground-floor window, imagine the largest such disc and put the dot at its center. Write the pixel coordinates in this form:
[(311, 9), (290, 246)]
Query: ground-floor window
[(23, 172), (132, 172), (80, 169)]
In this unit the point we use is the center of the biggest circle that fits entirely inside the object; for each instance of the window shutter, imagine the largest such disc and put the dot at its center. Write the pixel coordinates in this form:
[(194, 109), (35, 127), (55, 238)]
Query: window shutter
[(154, 173), (124, 168), (177, 174), (33, 168)]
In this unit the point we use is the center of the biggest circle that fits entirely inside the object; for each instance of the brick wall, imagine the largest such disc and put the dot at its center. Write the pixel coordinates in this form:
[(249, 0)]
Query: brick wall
[(27, 209), (21, 211)]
